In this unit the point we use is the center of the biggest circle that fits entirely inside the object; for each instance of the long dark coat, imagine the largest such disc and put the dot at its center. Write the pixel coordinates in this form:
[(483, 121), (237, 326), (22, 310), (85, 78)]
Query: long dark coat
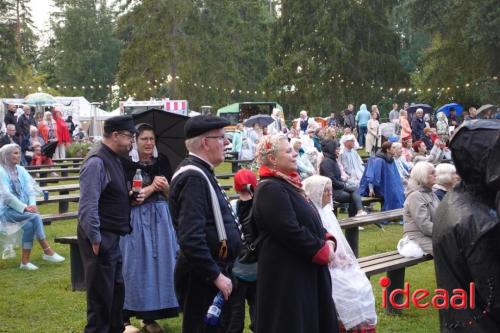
[(294, 295)]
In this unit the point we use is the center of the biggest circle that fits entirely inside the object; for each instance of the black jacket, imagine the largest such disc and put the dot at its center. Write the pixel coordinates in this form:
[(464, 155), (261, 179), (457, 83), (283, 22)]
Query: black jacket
[(329, 166), (466, 248), (293, 292), (193, 218)]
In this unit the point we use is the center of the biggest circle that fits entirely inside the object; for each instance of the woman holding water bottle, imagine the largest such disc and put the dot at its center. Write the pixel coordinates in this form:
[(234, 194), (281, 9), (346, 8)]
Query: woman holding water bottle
[(149, 250)]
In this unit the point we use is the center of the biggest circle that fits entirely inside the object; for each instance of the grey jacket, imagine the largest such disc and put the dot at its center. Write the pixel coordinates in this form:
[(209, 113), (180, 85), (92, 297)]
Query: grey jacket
[(418, 215)]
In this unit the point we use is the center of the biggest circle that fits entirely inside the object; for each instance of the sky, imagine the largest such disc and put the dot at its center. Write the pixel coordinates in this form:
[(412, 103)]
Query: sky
[(40, 13)]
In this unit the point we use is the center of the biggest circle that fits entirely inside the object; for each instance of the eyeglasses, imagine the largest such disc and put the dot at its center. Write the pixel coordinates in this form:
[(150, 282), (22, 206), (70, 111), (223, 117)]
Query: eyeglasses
[(128, 135), (220, 137)]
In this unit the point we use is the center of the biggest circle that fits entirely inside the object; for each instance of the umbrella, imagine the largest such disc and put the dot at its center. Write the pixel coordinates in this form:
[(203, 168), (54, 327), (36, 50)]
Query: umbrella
[(447, 107), (169, 131), (426, 107), (262, 119), (40, 99), (49, 149), (485, 108)]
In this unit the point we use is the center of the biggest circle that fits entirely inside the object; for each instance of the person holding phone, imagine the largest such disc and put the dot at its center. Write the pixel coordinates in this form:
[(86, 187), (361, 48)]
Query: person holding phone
[(149, 250)]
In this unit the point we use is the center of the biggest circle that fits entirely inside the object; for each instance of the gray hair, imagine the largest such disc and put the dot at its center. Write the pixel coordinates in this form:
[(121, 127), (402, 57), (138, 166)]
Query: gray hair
[(46, 114), (420, 172), (444, 173), (5, 153), (193, 145), (419, 110), (397, 145)]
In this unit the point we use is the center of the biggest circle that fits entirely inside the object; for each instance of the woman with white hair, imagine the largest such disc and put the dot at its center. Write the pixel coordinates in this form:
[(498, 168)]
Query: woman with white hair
[(47, 128), (446, 178), (19, 205), (351, 290), (420, 206)]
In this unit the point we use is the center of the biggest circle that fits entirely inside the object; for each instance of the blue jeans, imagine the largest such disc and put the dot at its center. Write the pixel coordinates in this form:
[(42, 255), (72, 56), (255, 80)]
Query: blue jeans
[(362, 130), (33, 226)]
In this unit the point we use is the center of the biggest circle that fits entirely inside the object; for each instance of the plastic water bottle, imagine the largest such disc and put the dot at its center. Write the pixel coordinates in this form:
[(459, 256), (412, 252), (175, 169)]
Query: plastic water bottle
[(212, 317)]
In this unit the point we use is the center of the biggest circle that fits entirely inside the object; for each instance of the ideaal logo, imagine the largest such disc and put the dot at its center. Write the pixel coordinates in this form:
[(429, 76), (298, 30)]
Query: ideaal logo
[(460, 298)]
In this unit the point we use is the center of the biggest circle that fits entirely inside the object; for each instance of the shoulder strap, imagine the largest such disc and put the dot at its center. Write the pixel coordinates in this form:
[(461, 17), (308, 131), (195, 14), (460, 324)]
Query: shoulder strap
[(219, 223)]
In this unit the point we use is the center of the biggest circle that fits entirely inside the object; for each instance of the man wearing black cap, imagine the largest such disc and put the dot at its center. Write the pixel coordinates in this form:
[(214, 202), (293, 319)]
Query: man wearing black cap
[(104, 215), (204, 262)]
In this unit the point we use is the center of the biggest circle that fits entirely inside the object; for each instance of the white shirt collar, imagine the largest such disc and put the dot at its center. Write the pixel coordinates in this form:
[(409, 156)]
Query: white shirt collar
[(203, 159)]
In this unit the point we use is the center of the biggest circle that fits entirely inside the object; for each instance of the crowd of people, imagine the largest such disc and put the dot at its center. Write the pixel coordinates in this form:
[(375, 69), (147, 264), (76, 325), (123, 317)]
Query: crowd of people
[(178, 242), (42, 136)]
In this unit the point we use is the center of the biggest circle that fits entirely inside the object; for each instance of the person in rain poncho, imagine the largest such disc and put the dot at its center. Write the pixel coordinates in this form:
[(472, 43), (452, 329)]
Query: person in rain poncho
[(351, 290), (19, 206)]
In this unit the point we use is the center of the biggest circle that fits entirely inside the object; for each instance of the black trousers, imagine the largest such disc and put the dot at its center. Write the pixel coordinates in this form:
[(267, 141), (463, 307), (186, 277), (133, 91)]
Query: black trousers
[(195, 295), (234, 322), (104, 282), (353, 198)]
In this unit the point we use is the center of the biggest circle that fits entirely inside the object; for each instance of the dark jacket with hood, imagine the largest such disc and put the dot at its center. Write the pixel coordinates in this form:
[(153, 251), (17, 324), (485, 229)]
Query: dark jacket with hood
[(329, 166), (466, 231)]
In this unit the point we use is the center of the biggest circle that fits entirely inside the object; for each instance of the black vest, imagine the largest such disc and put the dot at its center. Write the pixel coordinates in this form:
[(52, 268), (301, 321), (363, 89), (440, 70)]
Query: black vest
[(114, 202)]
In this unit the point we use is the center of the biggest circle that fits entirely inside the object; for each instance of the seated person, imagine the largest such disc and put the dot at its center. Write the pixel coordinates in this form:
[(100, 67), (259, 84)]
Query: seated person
[(19, 205), (351, 290), (438, 152), (446, 178), (38, 158), (427, 138), (351, 161), (343, 191), (381, 179), (420, 206), (404, 167), (347, 133), (304, 166)]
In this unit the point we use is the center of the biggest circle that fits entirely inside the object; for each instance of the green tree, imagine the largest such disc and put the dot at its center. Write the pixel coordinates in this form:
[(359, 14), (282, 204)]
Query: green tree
[(198, 50), (86, 49), (464, 50), (334, 52)]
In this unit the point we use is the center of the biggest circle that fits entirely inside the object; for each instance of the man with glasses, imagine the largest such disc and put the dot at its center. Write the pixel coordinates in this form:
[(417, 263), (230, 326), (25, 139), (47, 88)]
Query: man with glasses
[(103, 216), (204, 262)]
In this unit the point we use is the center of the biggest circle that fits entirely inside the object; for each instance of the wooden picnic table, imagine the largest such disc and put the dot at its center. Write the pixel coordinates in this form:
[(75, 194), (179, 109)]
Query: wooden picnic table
[(351, 225)]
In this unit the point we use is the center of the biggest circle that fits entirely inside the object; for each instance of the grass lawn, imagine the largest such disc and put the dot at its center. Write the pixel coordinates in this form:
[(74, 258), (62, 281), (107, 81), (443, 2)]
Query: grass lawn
[(42, 300)]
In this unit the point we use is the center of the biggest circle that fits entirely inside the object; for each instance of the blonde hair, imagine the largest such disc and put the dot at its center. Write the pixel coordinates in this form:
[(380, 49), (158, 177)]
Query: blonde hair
[(268, 145)]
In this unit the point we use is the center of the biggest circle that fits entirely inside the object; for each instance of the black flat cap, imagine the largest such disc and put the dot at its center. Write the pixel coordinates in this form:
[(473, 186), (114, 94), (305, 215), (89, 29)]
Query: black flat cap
[(119, 123), (200, 124)]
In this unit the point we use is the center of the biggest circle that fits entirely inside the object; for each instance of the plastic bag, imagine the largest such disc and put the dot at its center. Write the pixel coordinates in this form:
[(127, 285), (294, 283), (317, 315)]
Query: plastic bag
[(409, 249)]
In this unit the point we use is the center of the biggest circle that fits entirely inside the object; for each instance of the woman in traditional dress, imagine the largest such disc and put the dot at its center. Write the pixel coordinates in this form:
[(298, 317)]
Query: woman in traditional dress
[(149, 251)]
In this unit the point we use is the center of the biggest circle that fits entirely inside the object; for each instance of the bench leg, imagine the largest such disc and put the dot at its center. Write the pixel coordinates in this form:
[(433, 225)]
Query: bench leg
[(77, 274), (63, 205), (397, 282), (352, 236)]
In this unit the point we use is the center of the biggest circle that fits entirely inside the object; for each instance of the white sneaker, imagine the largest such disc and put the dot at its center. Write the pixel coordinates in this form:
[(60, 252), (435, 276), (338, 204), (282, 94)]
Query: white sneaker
[(363, 213), (53, 258), (29, 267), (361, 228)]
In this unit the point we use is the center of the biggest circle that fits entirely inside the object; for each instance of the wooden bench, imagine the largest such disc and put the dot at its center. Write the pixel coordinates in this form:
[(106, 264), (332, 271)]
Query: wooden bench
[(351, 225), (55, 165), (69, 159), (77, 272), (395, 265), (62, 200), (63, 171), (49, 218), (224, 175)]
